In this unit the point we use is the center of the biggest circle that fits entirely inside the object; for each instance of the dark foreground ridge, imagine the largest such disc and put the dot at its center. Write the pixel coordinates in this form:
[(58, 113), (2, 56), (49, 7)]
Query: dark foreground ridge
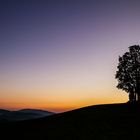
[(100, 122)]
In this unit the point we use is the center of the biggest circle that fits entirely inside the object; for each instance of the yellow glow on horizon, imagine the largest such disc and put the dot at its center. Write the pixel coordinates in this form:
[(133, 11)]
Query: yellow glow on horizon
[(61, 104), (60, 99)]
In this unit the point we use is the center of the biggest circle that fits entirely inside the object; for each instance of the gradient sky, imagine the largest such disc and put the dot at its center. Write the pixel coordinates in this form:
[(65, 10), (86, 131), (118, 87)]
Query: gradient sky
[(62, 54)]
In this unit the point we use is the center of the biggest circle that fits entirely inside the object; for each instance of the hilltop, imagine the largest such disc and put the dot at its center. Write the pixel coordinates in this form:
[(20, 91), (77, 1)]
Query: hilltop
[(100, 122)]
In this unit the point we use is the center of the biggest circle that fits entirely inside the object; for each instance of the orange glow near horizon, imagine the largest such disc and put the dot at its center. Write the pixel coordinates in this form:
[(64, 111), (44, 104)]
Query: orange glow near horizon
[(59, 104), (62, 97)]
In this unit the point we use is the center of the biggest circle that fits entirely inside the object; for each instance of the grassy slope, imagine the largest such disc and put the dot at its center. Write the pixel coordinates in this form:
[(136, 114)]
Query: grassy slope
[(102, 122)]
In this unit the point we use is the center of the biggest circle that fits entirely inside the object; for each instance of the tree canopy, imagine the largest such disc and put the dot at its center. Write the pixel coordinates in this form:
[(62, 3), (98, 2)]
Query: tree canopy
[(128, 73)]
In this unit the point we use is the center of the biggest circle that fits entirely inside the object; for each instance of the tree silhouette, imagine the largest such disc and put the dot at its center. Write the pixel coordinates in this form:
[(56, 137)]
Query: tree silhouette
[(128, 73)]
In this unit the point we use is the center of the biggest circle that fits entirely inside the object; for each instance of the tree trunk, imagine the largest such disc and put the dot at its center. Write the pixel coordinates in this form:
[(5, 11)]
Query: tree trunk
[(138, 98), (135, 97)]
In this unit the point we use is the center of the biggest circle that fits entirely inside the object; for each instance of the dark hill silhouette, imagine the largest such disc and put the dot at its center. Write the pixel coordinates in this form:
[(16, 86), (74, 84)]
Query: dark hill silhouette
[(24, 114), (2, 111), (36, 111), (100, 122)]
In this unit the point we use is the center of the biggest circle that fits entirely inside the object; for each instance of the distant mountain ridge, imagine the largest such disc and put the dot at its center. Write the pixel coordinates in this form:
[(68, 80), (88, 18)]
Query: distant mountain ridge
[(23, 114), (2, 111), (37, 111)]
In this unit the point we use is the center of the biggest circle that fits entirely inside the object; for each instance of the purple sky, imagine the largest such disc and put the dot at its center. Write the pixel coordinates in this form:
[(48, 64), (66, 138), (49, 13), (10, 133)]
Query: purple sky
[(63, 51)]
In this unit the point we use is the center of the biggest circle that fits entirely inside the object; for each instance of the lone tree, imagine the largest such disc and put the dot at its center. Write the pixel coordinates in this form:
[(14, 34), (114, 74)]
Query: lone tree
[(128, 73)]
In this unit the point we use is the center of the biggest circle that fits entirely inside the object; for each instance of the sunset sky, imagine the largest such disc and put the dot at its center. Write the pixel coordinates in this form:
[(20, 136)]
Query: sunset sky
[(60, 55)]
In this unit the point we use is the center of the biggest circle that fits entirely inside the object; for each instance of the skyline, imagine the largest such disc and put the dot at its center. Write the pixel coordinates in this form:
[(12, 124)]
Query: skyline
[(62, 55)]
